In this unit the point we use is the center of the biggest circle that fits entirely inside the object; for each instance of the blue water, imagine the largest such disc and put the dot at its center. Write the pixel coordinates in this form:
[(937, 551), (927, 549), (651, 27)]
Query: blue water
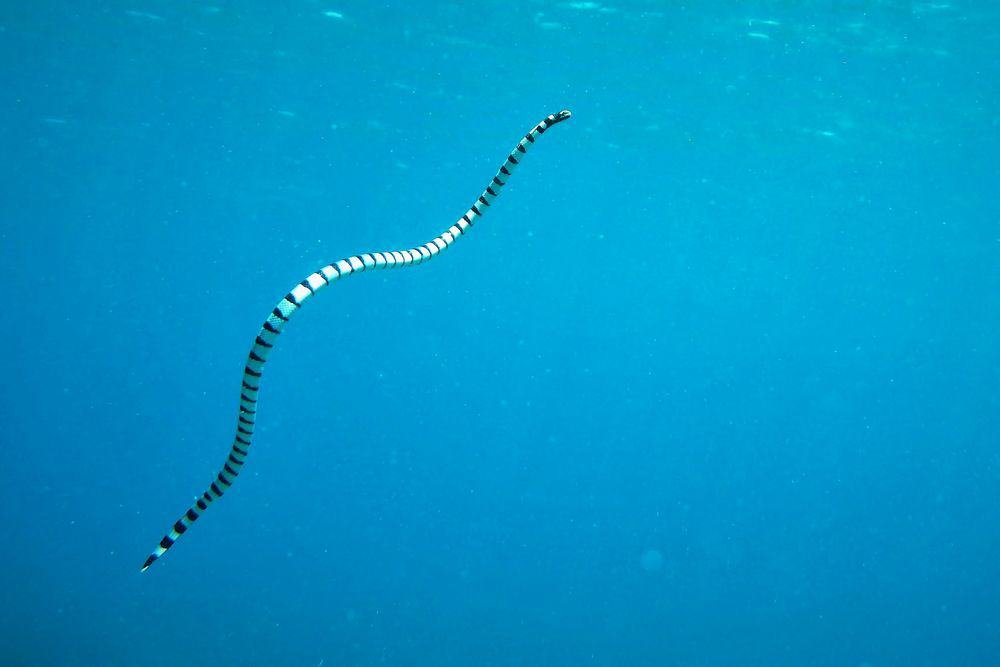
[(716, 381)]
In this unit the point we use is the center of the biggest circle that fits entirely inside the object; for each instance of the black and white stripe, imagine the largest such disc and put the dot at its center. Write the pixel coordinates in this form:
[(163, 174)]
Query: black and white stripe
[(268, 335)]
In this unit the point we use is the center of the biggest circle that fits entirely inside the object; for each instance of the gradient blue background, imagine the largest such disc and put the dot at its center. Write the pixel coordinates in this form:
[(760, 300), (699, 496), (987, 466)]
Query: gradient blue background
[(715, 383)]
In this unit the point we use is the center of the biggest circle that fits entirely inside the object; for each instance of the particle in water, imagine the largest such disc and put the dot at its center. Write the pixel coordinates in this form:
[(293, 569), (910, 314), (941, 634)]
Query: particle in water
[(651, 560)]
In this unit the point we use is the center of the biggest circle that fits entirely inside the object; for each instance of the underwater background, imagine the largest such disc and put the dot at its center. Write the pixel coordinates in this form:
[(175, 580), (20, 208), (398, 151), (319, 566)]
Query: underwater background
[(716, 381)]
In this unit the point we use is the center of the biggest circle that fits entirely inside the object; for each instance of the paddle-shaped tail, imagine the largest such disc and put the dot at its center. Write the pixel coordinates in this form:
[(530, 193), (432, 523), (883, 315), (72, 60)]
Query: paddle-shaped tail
[(267, 337)]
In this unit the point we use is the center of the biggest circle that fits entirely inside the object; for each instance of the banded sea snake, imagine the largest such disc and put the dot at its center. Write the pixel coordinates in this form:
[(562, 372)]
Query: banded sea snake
[(291, 302)]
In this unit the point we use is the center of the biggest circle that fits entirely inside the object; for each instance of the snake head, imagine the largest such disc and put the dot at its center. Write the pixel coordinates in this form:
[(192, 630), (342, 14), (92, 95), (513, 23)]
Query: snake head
[(561, 116)]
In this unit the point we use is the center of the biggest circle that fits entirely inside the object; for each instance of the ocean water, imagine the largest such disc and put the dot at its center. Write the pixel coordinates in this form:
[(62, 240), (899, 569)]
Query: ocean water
[(715, 382)]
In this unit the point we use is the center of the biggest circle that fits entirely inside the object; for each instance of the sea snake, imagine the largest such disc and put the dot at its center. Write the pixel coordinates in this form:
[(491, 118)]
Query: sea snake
[(291, 302)]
